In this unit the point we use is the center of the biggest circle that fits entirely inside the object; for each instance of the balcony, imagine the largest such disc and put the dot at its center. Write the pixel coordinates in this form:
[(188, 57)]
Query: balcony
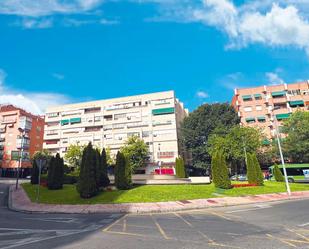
[(8, 121), (23, 143), (25, 123)]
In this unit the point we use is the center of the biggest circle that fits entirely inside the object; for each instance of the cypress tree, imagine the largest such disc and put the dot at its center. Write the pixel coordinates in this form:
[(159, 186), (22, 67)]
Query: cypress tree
[(258, 171), (251, 170), (122, 172), (180, 168), (278, 174), (50, 173), (220, 173), (55, 173), (104, 177), (224, 172), (87, 186), (34, 173)]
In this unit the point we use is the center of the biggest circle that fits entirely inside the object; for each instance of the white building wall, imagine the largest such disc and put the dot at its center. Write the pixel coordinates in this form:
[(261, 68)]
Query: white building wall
[(108, 123)]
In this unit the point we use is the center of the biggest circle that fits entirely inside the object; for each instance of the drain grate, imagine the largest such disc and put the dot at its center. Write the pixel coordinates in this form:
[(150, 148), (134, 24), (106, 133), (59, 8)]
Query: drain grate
[(185, 201)]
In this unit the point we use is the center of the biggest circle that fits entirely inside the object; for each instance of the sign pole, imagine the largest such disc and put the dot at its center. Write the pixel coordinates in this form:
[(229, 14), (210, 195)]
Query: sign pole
[(20, 160), (39, 183)]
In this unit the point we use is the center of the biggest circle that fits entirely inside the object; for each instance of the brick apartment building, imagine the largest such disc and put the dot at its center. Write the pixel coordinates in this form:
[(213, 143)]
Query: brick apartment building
[(16, 123), (258, 106)]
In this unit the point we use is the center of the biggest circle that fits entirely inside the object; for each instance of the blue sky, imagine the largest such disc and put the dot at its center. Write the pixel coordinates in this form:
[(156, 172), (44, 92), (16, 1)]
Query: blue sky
[(54, 51)]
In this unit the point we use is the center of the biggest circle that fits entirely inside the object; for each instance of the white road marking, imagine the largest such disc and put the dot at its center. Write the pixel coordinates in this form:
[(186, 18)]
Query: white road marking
[(304, 225), (249, 209), (62, 220)]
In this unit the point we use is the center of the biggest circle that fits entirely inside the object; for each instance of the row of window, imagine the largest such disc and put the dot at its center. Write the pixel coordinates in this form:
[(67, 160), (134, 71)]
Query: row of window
[(278, 94), (111, 107)]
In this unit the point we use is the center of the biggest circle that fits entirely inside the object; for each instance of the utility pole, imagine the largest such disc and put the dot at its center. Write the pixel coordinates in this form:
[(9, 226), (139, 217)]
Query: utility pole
[(281, 154), (20, 156)]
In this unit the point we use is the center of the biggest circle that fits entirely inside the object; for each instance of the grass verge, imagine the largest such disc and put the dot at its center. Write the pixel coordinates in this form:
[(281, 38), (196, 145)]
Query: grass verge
[(153, 193)]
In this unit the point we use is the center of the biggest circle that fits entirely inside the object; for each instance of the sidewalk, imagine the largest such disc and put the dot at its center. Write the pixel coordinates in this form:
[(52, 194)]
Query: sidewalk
[(19, 201)]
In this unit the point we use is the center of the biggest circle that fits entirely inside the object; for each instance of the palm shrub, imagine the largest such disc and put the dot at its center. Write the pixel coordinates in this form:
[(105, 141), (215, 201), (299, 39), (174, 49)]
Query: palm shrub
[(180, 168), (258, 171), (87, 186), (220, 173), (34, 173), (122, 172), (278, 174)]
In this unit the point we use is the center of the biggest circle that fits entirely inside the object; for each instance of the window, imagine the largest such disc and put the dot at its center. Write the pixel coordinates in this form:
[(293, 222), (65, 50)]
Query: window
[(92, 110), (278, 106), (97, 119), (258, 108), (108, 117), (119, 116), (135, 134), (247, 108), (118, 126), (294, 92), (146, 133), (52, 114), (93, 128)]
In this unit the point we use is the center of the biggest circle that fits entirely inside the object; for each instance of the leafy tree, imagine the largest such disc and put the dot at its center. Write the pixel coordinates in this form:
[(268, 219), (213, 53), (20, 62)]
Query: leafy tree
[(180, 168), (296, 144), (235, 141), (219, 170), (197, 127), (74, 155), (122, 172), (136, 151), (34, 173), (43, 154), (278, 174), (87, 186), (110, 160), (55, 173)]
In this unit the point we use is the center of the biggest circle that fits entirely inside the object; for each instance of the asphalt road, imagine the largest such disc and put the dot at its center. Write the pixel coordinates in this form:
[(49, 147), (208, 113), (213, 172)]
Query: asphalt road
[(268, 225)]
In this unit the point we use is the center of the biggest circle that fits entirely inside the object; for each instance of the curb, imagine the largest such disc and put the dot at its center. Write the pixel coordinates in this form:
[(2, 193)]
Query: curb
[(121, 208)]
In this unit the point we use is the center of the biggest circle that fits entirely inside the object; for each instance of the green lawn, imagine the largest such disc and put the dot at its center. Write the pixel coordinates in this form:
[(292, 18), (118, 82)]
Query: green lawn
[(153, 193)]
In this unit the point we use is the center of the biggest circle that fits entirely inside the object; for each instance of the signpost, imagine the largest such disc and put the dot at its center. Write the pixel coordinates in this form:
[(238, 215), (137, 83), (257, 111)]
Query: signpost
[(41, 162)]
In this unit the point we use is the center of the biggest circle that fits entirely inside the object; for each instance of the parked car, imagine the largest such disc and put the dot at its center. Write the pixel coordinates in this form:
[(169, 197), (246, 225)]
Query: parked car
[(240, 177)]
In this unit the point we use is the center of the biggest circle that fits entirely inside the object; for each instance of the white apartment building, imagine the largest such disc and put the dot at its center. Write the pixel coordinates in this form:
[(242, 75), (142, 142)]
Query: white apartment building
[(106, 123)]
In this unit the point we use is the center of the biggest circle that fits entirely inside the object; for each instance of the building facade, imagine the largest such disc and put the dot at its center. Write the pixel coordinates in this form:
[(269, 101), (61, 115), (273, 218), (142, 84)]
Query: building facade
[(106, 123), (261, 106), (19, 130)]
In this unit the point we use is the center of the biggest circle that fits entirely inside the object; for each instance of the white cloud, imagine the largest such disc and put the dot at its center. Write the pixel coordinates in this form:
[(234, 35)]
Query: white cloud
[(274, 78), (202, 94), (33, 23), (58, 76), (279, 26), (33, 102), (108, 22), (36, 8)]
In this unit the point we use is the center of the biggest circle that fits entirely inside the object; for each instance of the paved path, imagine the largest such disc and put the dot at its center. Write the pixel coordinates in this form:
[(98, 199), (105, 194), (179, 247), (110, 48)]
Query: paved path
[(19, 201)]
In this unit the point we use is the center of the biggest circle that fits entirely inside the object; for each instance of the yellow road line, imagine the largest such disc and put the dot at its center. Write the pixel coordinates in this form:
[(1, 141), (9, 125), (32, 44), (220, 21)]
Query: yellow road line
[(114, 223), (124, 233), (281, 240), (300, 235), (206, 237), (124, 228), (183, 219), (159, 228)]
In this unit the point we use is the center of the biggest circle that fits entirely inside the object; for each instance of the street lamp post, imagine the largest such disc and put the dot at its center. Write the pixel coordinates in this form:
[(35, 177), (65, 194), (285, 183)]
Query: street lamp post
[(22, 132), (281, 155)]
